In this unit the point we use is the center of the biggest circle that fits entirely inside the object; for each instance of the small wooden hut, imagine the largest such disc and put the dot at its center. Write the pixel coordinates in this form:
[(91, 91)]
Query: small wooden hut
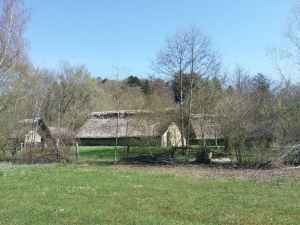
[(31, 132)]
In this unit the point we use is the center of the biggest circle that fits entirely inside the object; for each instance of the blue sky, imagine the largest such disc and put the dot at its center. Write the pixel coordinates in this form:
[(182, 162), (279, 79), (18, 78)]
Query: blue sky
[(127, 33)]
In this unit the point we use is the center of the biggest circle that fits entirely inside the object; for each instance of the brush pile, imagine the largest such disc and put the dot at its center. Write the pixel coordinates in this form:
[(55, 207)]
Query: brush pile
[(285, 156), (156, 159)]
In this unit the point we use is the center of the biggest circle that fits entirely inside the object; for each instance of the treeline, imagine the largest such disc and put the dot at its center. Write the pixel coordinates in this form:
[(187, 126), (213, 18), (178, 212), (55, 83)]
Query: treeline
[(244, 106), (252, 112)]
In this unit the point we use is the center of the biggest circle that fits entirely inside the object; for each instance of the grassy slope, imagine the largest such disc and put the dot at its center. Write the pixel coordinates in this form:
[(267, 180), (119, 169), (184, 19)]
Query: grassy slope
[(108, 194)]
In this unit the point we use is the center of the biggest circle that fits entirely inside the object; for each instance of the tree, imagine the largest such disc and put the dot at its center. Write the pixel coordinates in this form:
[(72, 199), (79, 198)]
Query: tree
[(286, 63), (133, 81), (13, 64), (172, 61), (247, 117), (76, 95), (207, 95), (263, 118), (285, 58), (233, 114), (291, 36), (13, 46), (119, 95), (261, 83), (287, 114), (13, 22), (146, 88), (204, 61), (191, 54), (39, 82)]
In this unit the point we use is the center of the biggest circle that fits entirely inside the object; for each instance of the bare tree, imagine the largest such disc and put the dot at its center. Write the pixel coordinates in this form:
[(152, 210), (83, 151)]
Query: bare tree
[(13, 22), (172, 61), (39, 82), (286, 62), (189, 54), (120, 96), (13, 46), (13, 63), (233, 114), (285, 58)]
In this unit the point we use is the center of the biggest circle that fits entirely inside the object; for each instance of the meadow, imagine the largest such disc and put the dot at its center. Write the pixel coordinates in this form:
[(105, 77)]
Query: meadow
[(95, 191)]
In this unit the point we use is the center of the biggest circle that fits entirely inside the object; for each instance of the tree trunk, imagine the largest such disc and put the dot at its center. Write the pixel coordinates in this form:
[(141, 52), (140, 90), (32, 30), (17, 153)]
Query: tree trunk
[(77, 150), (57, 147), (117, 131)]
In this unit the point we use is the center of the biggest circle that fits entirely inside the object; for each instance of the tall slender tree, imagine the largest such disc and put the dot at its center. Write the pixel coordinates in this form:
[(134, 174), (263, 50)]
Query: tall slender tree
[(14, 18), (191, 53)]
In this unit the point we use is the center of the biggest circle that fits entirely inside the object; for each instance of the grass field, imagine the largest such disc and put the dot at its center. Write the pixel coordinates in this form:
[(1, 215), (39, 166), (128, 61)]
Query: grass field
[(102, 193)]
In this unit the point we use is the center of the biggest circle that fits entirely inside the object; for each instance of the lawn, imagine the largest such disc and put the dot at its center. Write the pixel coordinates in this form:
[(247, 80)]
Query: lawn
[(103, 193)]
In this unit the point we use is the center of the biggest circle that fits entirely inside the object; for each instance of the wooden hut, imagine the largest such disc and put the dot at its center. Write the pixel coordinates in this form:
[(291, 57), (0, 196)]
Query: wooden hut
[(130, 127), (31, 132)]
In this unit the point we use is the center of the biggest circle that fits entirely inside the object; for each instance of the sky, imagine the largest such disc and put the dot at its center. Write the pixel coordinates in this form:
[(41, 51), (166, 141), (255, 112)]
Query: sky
[(102, 34)]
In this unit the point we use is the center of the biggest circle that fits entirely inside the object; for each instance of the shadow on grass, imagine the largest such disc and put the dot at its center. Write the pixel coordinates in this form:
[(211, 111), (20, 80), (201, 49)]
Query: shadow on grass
[(105, 155)]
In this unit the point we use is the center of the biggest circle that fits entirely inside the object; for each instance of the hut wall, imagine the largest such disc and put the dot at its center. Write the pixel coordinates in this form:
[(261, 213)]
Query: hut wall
[(102, 141), (33, 137), (172, 137)]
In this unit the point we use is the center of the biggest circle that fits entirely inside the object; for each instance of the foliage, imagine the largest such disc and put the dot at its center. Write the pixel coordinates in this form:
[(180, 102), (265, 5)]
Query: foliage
[(133, 81), (13, 49), (14, 62), (247, 116)]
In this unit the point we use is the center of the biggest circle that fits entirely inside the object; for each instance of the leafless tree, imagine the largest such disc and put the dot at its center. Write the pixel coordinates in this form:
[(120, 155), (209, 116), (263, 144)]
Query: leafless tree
[(286, 62), (119, 96), (233, 113), (189, 53), (13, 22), (14, 18), (285, 58)]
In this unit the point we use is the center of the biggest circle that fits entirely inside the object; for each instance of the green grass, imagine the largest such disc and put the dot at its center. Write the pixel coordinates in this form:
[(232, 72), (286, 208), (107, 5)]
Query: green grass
[(106, 154), (103, 193)]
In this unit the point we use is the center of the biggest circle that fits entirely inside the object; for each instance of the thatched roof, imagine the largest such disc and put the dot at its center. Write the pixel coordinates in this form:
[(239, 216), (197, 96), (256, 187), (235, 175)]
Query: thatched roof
[(204, 124), (58, 131), (32, 122), (24, 126), (131, 123)]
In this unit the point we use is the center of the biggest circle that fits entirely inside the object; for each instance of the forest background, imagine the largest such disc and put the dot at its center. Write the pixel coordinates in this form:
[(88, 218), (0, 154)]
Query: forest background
[(190, 77)]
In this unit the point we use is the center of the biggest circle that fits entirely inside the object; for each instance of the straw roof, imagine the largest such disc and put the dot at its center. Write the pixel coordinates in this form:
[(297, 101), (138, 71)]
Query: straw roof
[(58, 131), (205, 123), (24, 126), (139, 123), (132, 123)]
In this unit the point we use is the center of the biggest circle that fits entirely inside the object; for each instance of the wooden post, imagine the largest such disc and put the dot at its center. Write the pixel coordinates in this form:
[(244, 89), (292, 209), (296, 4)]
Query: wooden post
[(43, 143), (210, 155), (57, 147), (77, 150)]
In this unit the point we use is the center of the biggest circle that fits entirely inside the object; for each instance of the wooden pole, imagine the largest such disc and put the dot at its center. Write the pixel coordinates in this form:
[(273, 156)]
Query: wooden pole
[(77, 150), (57, 147)]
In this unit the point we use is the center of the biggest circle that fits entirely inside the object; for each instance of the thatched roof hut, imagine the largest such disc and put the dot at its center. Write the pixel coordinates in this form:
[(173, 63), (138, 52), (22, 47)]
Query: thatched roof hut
[(102, 128), (104, 125), (32, 130)]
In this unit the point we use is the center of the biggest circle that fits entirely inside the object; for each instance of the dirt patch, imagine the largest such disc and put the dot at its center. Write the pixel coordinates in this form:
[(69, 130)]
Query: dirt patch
[(219, 171), (240, 173), (221, 168)]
